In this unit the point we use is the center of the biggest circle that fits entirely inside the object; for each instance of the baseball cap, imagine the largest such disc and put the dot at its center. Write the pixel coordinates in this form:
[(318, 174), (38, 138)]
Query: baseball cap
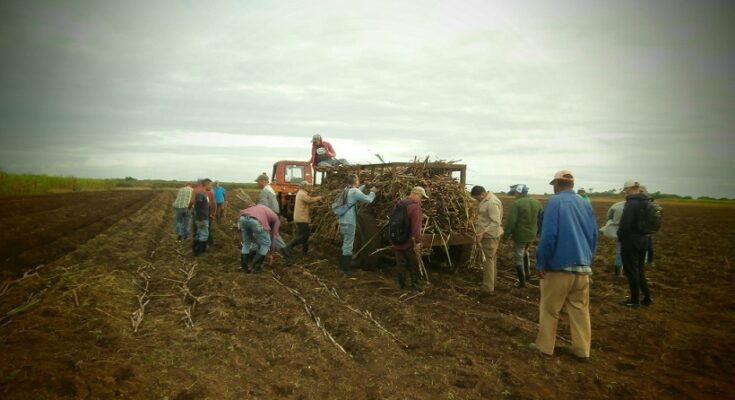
[(563, 175), (420, 191), (262, 176), (521, 188), (631, 183)]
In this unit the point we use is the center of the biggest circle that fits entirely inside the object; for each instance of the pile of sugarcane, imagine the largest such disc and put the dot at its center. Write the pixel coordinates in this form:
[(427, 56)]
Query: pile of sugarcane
[(448, 211)]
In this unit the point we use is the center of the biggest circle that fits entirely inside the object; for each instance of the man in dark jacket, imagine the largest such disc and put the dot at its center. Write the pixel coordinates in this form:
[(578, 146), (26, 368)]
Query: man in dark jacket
[(633, 245), (408, 253), (201, 218)]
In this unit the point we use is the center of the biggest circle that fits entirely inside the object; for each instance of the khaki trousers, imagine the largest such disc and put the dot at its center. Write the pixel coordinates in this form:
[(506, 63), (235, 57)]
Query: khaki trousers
[(571, 291), (489, 272)]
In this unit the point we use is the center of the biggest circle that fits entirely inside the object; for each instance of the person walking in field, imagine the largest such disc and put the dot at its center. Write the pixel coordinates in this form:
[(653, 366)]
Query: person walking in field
[(633, 245), (406, 221), (610, 231), (323, 154), (219, 198), (201, 217), (181, 211), (350, 198), (522, 226), (564, 256), (489, 229), (261, 223), (302, 217)]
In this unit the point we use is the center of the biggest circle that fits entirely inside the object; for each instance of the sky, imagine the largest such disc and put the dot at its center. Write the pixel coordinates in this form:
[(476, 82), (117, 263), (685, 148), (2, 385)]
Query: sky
[(611, 90)]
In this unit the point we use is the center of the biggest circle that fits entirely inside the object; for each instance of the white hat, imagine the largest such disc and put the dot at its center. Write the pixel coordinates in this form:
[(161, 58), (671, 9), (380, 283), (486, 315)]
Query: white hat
[(420, 191), (630, 183)]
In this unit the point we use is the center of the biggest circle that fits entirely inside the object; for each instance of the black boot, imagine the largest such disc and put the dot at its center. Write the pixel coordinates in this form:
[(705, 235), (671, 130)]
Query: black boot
[(197, 248), (402, 280), (244, 258), (521, 276), (203, 246), (415, 285), (286, 251), (257, 263), (344, 264)]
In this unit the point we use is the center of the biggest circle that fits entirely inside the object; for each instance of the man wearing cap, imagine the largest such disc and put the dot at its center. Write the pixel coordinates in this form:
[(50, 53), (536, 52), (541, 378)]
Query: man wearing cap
[(563, 259), (522, 226), (302, 216), (634, 244), (408, 253), (353, 195), (323, 154), (268, 198), (261, 223), (489, 229), (181, 211)]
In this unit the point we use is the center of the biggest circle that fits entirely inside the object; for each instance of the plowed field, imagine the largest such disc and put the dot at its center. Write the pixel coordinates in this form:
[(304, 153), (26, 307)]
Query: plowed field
[(100, 301)]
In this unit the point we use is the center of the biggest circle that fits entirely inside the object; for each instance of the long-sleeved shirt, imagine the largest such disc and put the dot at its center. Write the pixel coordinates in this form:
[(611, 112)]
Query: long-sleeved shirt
[(268, 199), (267, 218), (568, 235), (183, 197), (610, 230), (522, 223), (212, 203), (302, 208), (201, 206), (490, 217), (327, 147), (415, 216), (354, 196), (628, 228)]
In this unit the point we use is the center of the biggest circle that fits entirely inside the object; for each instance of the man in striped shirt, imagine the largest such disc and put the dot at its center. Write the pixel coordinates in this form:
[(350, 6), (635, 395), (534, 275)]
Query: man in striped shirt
[(181, 211)]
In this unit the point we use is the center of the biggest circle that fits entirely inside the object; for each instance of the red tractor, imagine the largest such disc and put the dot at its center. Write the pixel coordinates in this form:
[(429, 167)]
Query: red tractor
[(287, 175)]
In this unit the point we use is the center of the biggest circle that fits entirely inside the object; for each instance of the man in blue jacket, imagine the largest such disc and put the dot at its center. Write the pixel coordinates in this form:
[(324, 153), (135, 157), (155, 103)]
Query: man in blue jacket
[(563, 259), (348, 220)]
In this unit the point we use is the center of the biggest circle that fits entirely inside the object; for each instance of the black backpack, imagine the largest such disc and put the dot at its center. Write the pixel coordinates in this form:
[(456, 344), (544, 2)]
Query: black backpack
[(399, 226), (649, 220)]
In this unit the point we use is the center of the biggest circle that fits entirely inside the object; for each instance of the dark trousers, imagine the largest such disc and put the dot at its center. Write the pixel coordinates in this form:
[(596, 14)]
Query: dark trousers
[(303, 232), (633, 253), (407, 261)]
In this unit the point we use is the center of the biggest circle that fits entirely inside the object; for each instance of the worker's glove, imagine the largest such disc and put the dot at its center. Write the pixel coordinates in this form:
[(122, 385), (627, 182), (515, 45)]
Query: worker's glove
[(373, 189)]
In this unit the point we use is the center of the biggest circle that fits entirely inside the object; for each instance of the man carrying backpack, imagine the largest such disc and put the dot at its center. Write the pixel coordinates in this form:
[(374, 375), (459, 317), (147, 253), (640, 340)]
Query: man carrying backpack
[(348, 218), (634, 243), (406, 237)]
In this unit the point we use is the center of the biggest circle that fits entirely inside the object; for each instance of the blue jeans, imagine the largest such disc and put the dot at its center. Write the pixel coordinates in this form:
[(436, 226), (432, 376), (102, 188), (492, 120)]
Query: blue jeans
[(183, 216), (250, 227), (202, 234), (348, 238)]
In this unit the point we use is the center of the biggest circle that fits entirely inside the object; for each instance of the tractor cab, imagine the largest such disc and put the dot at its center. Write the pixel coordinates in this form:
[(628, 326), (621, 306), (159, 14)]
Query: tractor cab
[(287, 175)]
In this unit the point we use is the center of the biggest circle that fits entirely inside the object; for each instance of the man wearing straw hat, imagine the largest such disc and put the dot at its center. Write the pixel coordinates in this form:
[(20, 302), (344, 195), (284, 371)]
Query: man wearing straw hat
[(489, 229), (563, 259), (408, 252)]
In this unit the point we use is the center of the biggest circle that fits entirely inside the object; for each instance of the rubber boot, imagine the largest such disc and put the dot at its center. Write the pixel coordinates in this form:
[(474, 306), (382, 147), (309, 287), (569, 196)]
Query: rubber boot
[(197, 248), (521, 276), (203, 246), (257, 263), (286, 251), (402, 280), (415, 285), (344, 264), (244, 258)]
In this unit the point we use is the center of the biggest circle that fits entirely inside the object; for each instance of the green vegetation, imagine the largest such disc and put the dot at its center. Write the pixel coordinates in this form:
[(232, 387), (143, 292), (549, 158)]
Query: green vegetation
[(29, 184)]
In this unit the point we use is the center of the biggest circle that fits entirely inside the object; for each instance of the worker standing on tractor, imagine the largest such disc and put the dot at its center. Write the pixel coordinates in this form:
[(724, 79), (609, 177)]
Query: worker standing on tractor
[(489, 228), (302, 216), (405, 233), (522, 226), (323, 154), (345, 206)]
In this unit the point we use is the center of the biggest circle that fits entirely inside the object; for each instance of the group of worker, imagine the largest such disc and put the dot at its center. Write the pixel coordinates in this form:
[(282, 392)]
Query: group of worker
[(194, 209), (566, 231)]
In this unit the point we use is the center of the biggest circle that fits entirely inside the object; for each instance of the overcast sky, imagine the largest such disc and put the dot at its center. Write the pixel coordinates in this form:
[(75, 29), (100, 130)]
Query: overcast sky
[(612, 90)]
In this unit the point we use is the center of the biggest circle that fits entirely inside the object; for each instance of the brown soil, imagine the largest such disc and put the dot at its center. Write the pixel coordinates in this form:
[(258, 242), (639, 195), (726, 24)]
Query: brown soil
[(66, 329)]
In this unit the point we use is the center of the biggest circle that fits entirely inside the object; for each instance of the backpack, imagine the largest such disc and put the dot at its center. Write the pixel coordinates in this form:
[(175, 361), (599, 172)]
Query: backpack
[(649, 220), (340, 206), (399, 225)]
